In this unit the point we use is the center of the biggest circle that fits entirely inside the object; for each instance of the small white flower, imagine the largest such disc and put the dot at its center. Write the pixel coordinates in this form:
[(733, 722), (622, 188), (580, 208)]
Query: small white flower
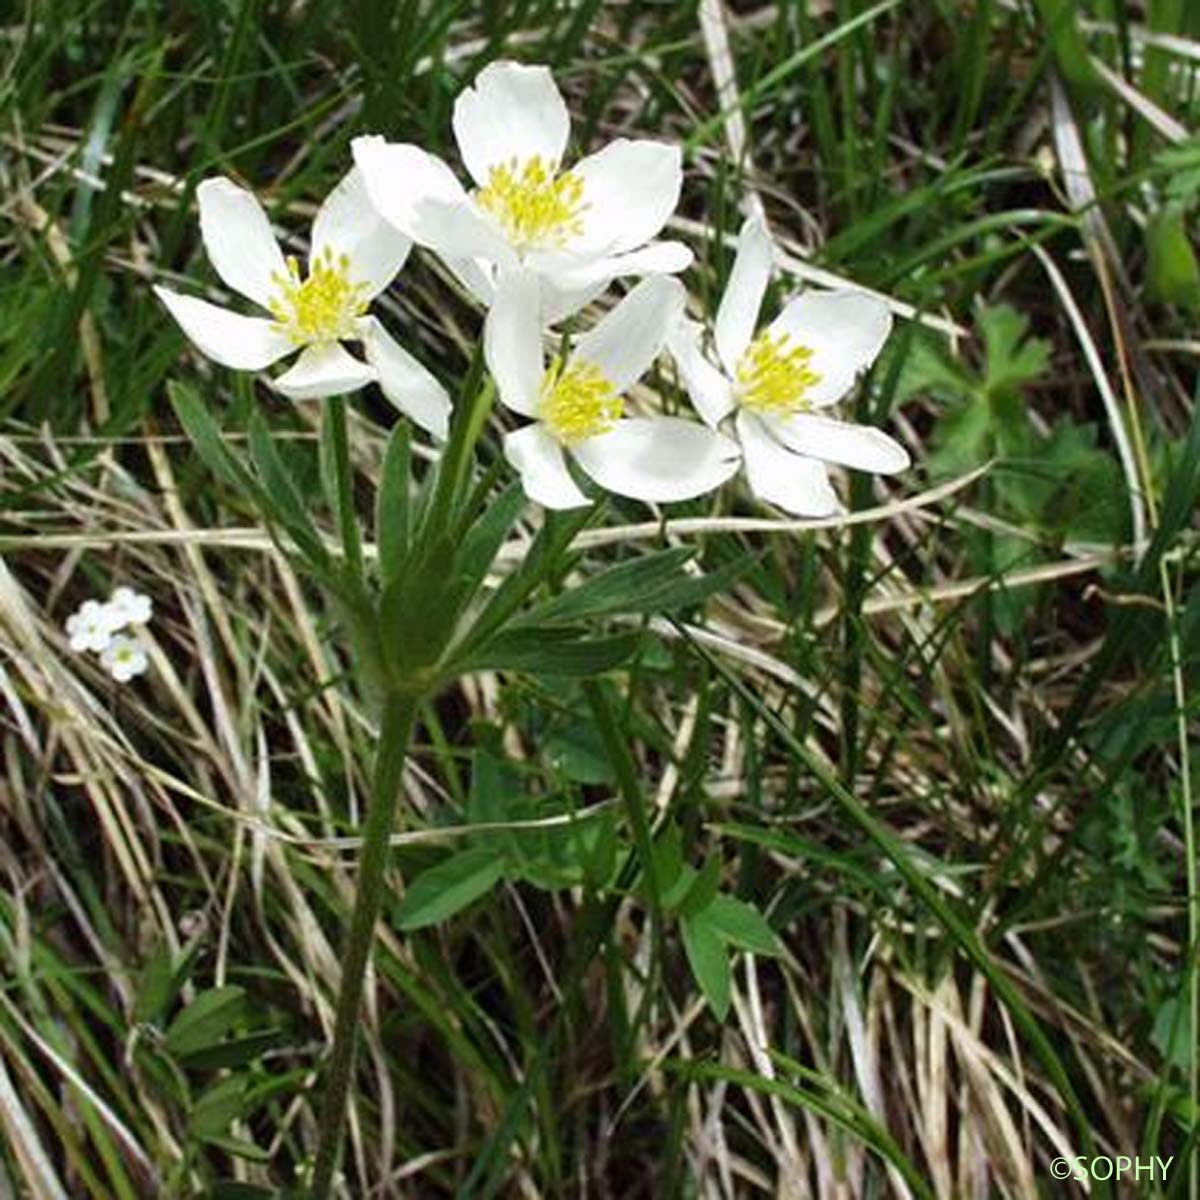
[(129, 607), (354, 256), (576, 229), (91, 626), (577, 405), (124, 657), (807, 359)]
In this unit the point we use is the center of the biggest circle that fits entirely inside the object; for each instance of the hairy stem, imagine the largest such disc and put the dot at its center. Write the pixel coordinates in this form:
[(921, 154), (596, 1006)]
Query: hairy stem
[(399, 712)]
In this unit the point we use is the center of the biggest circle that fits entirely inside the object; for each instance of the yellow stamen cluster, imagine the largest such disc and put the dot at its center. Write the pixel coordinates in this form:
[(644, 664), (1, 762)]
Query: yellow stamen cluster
[(321, 308), (576, 401), (535, 208), (774, 375)]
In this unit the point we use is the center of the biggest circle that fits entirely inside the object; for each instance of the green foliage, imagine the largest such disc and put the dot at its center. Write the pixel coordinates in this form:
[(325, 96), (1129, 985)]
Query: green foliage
[(1058, 487)]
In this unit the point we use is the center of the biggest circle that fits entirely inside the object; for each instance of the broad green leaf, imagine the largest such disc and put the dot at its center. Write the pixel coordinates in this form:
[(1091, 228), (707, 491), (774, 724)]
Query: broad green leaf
[(206, 1021), (742, 925), (1014, 358), (961, 440), (441, 891), (1172, 273), (709, 961), (156, 988), (218, 1107), (703, 889), (668, 862)]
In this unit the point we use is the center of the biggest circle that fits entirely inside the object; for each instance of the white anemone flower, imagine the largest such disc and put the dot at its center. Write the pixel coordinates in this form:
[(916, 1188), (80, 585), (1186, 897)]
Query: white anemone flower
[(577, 405), (577, 229), (129, 607), (124, 657), (777, 381), (354, 255), (91, 626)]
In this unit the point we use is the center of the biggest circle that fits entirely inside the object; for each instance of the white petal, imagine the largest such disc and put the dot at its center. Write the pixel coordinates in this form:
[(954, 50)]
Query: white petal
[(558, 303), (512, 341), (710, 390), (543, 468), (630, 189), (630, 337), (477, 275), (238, 239), (849, 445), (737, 315), (658, 459), (324, 370), (410, 386), (796, 484), (570, 273), (348, 224), (418, 194), (511, 111), (845, 331), (243, 343)]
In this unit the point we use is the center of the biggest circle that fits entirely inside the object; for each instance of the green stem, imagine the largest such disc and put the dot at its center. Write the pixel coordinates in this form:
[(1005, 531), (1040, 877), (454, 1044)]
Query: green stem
[(343, 485), (399, 713)]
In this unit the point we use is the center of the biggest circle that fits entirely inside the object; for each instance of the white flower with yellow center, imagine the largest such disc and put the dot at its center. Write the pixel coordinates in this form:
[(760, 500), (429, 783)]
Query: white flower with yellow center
[(124, 657), (778, 381), (577, 405), (577, 229), (354, 256)]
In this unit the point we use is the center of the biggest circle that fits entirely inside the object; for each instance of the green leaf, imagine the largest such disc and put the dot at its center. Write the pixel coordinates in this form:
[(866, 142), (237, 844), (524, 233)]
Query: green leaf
[(205, 435), (238, 1147), (235, 1052), (392, 508), (1014, 359), (485, 537), (441, 891), (1172, 273), (703, 888), (741, 925), (709, 961), (620, 589), (218, 1107), (961, 440), (285, 503), (551, 651), (206, 1021), (668, 863), (157, 987)]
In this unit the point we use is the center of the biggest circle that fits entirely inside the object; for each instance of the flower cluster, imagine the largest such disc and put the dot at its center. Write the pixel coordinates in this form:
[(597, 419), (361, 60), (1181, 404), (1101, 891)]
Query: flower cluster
[(110, 629), (534, 241)]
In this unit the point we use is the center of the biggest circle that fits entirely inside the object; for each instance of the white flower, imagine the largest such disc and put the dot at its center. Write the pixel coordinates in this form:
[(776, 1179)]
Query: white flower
[(91, 626), (577, 405), (576, 229), (807, 359), (354, 255), (129, 607), (124, 657)]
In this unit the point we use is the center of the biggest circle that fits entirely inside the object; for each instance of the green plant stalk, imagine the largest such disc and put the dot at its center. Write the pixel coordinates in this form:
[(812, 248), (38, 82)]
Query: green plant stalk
[(399, 713)]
